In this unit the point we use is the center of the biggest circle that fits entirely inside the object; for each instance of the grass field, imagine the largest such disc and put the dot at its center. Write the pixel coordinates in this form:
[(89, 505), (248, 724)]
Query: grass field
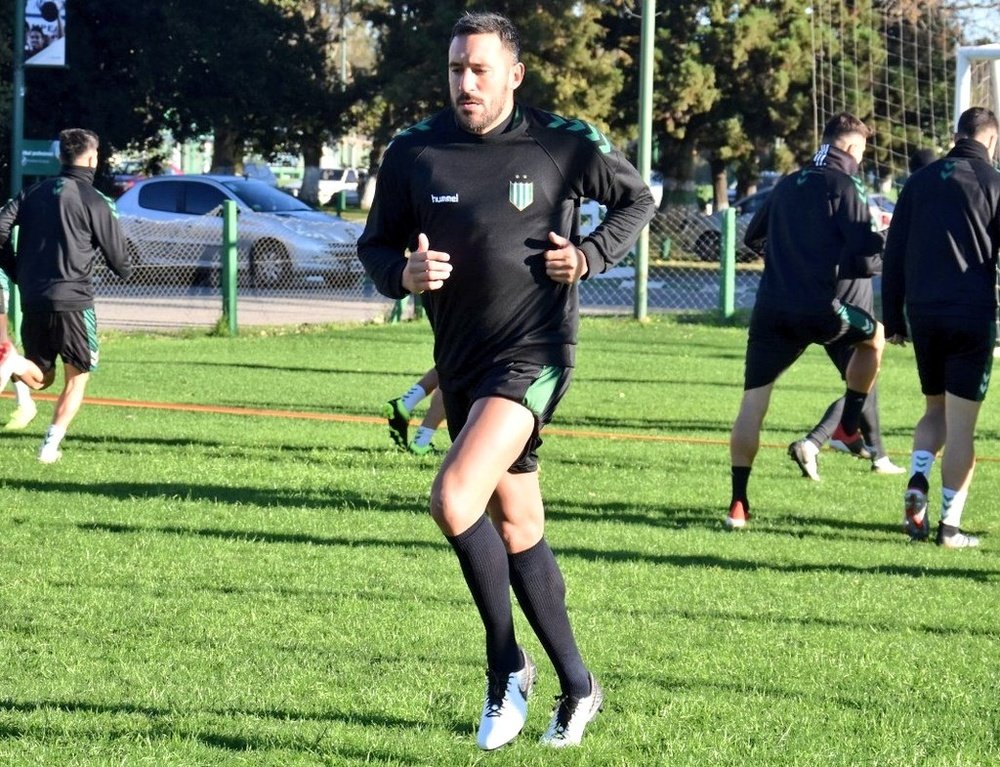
[(193, 588)]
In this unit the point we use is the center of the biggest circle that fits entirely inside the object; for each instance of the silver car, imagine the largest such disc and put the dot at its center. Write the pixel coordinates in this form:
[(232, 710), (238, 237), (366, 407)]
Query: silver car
[(175, 222)]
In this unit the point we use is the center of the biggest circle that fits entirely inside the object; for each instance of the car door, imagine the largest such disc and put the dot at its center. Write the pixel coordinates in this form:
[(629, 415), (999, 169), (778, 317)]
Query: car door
[(201, 205)]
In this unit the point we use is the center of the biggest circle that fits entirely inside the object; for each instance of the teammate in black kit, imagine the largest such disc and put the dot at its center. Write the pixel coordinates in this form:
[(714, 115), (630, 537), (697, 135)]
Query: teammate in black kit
[(940, 278), (484, 194), (817, 226), (64, 224)]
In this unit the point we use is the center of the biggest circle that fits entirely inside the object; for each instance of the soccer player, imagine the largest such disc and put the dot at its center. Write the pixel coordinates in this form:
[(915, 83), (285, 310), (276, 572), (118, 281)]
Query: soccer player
[(817, 226), (25, 409), (398, 410), (940, 279), (63, 222), (485, 195)]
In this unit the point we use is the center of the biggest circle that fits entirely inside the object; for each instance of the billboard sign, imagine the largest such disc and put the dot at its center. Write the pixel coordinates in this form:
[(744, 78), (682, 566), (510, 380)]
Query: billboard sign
[(44, 33)]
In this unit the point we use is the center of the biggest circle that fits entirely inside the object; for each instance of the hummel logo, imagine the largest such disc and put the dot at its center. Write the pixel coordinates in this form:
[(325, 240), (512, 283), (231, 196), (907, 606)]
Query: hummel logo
[(948, 169), (444, 197)]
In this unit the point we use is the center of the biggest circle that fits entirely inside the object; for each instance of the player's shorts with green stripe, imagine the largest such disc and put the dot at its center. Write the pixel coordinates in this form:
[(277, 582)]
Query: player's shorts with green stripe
[(777, 337), (538, 387), (71, 336)]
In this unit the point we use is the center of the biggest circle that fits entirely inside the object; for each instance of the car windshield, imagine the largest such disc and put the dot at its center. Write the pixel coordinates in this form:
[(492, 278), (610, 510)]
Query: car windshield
[(262, 198)]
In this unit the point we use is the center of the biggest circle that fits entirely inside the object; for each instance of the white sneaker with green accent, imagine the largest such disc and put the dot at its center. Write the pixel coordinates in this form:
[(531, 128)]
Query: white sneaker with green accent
[(20, 418)]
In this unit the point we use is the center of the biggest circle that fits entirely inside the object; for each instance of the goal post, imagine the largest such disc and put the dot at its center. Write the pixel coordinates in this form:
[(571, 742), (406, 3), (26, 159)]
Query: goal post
[(977, 77)]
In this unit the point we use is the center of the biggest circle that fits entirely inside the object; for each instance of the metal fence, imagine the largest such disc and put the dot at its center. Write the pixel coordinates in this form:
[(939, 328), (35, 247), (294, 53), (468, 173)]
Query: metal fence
[(292, 272)]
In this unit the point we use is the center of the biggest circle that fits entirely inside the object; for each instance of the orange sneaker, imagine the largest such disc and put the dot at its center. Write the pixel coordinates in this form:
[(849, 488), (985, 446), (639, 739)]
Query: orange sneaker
[(739, 513)]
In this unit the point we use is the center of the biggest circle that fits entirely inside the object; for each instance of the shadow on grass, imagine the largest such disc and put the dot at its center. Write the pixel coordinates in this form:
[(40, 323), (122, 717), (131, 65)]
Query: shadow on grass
[(167, 728), (748, 565), (258, 536), (331, 499)]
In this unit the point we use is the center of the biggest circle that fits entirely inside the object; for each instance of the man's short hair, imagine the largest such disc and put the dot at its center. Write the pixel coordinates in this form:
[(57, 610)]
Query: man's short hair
[(921, 158), (76, 142), (842, 125), (486, 23), (974, 121)]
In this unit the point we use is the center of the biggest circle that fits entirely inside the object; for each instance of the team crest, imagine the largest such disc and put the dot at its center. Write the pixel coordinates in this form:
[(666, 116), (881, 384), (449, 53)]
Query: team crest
[(522, 193)]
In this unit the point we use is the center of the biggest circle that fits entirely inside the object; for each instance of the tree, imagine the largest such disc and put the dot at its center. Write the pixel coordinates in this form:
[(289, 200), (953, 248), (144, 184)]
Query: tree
[(569, 68)]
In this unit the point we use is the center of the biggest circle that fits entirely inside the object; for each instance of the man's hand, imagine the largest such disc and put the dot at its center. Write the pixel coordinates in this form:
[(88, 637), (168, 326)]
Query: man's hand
[(426, 269), (898, 339), (565, 262)]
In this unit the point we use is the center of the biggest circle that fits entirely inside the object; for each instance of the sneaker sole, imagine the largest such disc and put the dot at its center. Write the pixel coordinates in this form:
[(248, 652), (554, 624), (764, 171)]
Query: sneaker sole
[(390, 413), (914, 504), (735, 524)]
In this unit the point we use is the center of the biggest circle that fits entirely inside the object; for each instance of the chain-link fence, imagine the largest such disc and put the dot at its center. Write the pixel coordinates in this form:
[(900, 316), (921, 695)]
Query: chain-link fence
[(299, 271), (289, 271)]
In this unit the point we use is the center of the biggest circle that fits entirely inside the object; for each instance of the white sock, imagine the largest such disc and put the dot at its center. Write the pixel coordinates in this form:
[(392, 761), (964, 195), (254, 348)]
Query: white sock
[(952, 506), (22, 394), (921, 462), (424, 436), (413, 397), (54, 435)]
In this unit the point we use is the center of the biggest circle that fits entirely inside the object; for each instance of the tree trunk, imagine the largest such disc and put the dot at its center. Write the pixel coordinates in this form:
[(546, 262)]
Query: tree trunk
[(720, 184), (312, 151), (678, 181), (227, 156)]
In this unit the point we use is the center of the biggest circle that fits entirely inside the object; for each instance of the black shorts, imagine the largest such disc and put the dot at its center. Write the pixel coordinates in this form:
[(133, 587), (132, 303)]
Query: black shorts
[(954, 355), (778, 337), (538, 387), (69, 335)]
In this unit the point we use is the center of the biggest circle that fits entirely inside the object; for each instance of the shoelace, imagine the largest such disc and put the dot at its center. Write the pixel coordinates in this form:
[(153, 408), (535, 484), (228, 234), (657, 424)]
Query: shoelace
[(565, 708), (496, 693)]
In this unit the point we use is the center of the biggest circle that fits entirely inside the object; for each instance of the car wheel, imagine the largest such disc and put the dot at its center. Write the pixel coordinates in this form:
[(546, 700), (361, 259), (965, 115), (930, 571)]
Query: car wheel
[(270, 266), (707, 246)]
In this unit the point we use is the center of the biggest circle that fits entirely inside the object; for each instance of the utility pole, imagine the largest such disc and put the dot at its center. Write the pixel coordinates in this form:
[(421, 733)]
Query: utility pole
[(16, 146)]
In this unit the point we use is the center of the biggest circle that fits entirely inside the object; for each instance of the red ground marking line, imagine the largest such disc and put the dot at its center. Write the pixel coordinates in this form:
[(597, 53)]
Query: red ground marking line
[(346, 418)]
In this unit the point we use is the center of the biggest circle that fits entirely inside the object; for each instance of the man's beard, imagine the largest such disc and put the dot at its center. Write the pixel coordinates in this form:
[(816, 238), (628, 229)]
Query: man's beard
[(477, 124)]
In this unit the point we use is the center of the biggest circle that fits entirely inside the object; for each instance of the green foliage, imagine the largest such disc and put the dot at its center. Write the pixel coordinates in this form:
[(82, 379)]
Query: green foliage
[(190, 588)]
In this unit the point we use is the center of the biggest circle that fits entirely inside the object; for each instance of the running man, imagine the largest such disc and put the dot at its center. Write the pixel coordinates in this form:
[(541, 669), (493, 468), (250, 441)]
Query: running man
[(63, 222), (484, 194), (816, 223), (939, 289)]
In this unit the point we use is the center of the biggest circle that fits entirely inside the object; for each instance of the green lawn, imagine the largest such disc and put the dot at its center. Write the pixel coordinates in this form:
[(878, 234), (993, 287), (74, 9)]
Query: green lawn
[(199, 589)]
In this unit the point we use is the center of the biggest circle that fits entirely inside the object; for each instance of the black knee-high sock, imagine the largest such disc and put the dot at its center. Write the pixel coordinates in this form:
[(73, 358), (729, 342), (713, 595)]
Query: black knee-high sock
[(483, 558), (740, 477), (851, 417), (541, 592)]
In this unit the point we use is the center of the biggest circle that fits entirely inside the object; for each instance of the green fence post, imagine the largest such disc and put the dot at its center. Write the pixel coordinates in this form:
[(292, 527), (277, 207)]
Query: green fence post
[(229, 270), (396, 315), (727, 256), (418, 307)]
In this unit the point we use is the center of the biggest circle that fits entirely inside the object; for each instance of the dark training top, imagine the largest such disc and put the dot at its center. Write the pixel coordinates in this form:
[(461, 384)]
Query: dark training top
[(941, 254), (490, 201), (818, 230), (63, 222)]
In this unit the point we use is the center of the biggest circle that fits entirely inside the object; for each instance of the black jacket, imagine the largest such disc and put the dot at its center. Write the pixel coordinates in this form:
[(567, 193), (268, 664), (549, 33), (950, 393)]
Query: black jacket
[(490, 201), (63, 222), (817, 229), (941, 254)]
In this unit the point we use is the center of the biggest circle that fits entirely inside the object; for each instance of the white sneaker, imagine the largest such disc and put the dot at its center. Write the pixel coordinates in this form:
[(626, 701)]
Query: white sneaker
[(49, 452), (506, 706), (884, 465), (571, 717), (804, 453)]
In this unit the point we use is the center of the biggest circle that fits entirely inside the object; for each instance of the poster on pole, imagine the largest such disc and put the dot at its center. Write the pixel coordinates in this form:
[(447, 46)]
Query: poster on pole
[(45, 33)]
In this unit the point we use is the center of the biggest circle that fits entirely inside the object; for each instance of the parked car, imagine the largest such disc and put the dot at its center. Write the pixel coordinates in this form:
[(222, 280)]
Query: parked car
[(176, 222), (125, 176), (333, 181)]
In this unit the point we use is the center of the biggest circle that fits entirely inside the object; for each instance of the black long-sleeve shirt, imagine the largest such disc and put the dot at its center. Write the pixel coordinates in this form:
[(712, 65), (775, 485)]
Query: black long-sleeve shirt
[(63, 222), (941, 254), (818, 230), (490, 201)]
